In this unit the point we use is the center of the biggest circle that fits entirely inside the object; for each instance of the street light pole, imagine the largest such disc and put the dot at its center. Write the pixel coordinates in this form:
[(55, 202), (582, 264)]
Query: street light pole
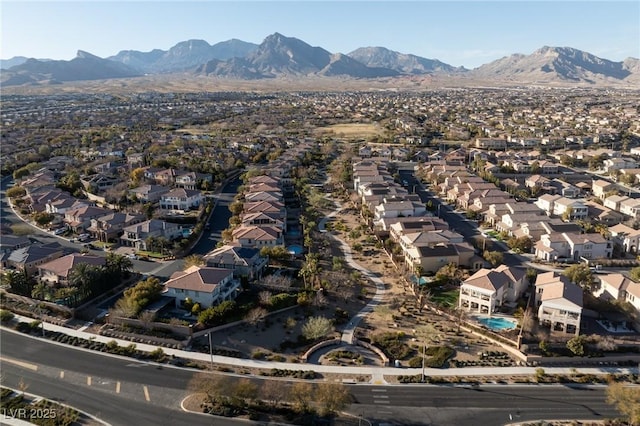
[(43, 328), (210, 350), (424, 353)]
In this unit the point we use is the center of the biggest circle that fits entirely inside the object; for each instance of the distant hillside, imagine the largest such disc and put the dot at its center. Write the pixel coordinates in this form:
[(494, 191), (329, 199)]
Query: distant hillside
[(84, 66), (382, 57), (554, 64), (280, 56), (184, 55)]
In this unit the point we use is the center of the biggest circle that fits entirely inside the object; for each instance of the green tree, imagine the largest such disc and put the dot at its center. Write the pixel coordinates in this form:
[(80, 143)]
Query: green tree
[(580, 274), (495, 258), (635, 274), (16, 192), (577, 345), (118, 264)]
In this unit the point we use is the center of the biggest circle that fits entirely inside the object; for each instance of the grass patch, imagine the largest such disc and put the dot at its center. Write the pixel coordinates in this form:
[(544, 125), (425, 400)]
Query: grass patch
[(447, 298)]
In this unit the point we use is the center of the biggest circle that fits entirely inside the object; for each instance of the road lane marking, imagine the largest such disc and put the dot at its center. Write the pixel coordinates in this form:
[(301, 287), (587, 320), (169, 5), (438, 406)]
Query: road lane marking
[(117, 387), (62, 374), (381, 396), (378, 401), (146, 393), (88, 380), (22, 364), (378, 390)]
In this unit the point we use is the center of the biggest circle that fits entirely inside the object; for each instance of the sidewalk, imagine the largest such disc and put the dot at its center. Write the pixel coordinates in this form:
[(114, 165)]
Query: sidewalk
[(373, 372)]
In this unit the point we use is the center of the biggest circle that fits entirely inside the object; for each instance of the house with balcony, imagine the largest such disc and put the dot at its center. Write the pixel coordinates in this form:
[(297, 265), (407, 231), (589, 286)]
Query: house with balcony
[(243, 261), (613, 201), (391, 208), (559, 303), (574, 209), (191, 180), (488, 289), (56, 272), (181, 200), (203, 285)]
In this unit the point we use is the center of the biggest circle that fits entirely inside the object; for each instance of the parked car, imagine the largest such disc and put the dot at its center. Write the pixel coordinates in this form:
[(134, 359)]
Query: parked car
[(83, 237), (59, 231)]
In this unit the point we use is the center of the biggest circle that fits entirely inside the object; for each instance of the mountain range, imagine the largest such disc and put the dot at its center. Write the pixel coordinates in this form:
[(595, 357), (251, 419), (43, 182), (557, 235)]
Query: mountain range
[(280, 56)]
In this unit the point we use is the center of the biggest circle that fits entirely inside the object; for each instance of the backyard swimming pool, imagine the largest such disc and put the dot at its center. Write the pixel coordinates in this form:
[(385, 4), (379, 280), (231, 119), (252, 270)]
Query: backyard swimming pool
[(295, 249), (497, 323)]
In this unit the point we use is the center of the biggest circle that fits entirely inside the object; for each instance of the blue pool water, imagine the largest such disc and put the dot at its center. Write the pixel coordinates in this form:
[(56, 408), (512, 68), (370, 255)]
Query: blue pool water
[(497, 323), (295, 249)]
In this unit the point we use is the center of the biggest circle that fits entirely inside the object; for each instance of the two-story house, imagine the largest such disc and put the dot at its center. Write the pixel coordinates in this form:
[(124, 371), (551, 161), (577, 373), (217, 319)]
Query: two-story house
[(244, 261), (488, 289), (180, 199), (203, 285), (559, 302)]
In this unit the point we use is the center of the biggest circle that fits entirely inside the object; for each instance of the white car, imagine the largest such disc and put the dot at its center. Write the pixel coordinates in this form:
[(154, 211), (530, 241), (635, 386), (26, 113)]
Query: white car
[(59, 231)]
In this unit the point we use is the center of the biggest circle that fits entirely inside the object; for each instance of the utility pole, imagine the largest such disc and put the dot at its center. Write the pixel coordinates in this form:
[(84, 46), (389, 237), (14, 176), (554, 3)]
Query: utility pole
[(424, 354)]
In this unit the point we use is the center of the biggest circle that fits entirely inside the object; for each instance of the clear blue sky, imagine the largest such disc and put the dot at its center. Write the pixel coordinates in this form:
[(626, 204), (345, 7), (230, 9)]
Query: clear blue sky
[(467, 33)]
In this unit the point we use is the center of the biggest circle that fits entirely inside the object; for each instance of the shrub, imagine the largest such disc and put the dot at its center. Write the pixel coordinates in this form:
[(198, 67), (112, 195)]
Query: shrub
[(5, 315), (392, 345)]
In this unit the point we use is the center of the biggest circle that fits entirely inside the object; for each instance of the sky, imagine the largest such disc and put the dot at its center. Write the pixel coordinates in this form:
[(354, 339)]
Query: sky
[(460, 33)]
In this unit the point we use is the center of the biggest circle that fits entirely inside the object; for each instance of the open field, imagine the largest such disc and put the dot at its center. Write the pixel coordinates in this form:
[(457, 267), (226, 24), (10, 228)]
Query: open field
[(352, 130)]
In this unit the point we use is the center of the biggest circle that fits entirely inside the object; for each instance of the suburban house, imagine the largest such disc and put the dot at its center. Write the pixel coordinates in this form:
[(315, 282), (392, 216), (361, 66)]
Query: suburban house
[(613, 201), (574, 209), (600, 188), (191, 180), (619, 287), (109, 227), (559, 302), (258, 236), (243, 261), (78, 220), (56, 272), (403, 208), (203, 285), (149, 193), (630, 207), (180, 199), (488, 289), (137, 235), (9, 243), (627, 237), (571, 245), (30, 257), (601, 214)]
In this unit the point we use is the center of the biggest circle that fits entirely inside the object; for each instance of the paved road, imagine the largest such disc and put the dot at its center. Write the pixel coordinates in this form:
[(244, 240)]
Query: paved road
[(219, 220), (121, 389), (486, 405)]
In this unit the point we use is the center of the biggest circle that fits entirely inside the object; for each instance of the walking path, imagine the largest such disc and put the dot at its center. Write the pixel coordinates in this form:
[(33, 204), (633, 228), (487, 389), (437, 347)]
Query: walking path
[(376, 373), (349, 331)]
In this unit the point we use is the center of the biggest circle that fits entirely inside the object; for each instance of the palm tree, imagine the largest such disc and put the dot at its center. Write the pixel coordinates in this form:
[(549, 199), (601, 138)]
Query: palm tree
[(81, 277), (118, 264), (40, 291)]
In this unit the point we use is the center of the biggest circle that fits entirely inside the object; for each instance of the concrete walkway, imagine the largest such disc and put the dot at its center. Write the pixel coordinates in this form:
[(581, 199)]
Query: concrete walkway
[(377, 373)]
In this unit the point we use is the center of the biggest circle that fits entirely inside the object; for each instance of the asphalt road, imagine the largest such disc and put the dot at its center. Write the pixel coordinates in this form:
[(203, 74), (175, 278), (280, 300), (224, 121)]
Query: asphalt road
[(493, 404), (120, 390)]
